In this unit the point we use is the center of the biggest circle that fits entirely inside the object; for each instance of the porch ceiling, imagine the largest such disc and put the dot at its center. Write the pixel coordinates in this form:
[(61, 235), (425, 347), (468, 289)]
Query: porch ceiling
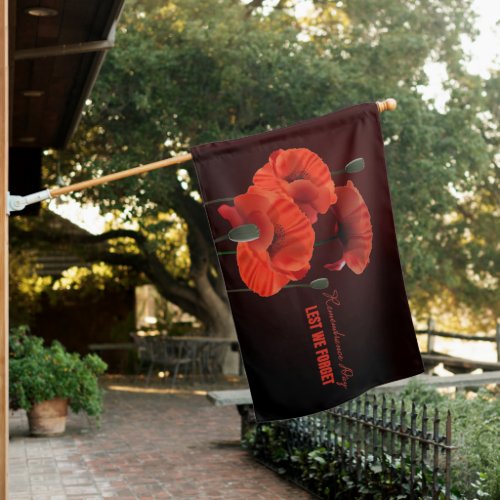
[(53, 66)]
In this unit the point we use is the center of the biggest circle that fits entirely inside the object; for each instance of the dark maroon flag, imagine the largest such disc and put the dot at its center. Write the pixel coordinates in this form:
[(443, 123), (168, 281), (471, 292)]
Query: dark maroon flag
[(302, 222)]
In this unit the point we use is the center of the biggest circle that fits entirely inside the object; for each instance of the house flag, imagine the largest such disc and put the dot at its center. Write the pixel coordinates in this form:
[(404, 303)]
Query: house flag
[(302, 224)]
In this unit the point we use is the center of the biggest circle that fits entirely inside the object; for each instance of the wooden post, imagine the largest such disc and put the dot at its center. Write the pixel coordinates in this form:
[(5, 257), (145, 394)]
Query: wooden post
[(4, 247), (498, 341), (431, 326)]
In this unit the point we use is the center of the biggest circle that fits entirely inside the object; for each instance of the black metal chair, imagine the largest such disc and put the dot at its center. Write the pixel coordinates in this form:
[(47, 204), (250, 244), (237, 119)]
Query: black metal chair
[(157, 351)]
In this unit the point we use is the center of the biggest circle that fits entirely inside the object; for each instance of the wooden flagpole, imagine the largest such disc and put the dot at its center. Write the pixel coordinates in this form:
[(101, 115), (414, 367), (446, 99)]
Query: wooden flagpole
[(386, 105)]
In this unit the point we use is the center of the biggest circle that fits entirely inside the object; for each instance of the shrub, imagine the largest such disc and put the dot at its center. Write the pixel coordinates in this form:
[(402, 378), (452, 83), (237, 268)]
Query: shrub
[(38, 373), (475, 465), (475, 434)]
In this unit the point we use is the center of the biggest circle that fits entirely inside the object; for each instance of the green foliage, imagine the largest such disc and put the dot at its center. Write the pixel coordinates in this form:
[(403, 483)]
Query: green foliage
[(25, 286), (330, 473), (421, 394), (475, 434), (187, 72), (30, 289), (475, 465), (38, 373)]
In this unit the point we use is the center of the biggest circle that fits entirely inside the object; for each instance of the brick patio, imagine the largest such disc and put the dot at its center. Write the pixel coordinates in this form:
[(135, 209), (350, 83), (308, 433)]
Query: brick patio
[(150, 445)]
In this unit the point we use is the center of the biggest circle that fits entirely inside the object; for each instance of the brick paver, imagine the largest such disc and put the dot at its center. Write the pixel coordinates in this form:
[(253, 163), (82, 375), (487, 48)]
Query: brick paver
[(148, 446)]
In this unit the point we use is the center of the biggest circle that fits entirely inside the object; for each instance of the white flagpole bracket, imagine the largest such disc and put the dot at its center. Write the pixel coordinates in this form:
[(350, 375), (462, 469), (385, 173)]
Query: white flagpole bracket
[(16, 203)]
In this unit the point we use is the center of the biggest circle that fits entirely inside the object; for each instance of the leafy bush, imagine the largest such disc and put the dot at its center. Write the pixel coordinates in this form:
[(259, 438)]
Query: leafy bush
[(333, 473), (38, 373), (475, 464), (475, 434)]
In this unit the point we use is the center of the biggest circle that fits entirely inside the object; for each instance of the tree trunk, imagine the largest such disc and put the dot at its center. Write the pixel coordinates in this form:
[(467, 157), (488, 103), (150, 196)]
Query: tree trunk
[(206, 300), (221, 321)]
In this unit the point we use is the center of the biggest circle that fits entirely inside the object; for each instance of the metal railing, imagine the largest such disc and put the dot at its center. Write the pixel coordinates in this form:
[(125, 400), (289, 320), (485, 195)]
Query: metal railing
[(372, 440)]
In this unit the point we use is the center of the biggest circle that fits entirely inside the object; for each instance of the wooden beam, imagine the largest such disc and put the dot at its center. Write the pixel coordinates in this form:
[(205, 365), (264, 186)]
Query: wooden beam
[(4, 248), (458, 381), (433, 359), (63, 50), (235, 397)]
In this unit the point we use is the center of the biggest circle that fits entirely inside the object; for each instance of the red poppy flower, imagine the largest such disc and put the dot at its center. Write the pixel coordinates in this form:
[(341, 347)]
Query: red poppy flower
[(285, 245), (303, 176), (354, 228)]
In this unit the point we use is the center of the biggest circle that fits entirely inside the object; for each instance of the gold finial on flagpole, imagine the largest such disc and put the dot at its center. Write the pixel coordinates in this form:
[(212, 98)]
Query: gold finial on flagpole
[(387, 105)]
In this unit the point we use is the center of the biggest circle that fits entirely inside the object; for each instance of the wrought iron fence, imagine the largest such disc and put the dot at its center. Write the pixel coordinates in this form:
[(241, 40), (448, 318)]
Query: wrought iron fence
[(368, 441)]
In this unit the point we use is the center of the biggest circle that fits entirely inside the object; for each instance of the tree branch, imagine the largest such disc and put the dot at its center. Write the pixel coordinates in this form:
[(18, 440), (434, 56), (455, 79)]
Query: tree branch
[(134, 261), (171, 288), (199, 238), (118, 233)]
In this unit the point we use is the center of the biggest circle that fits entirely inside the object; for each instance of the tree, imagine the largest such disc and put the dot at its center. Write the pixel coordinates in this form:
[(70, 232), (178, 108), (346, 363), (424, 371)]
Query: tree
[(187, 72)]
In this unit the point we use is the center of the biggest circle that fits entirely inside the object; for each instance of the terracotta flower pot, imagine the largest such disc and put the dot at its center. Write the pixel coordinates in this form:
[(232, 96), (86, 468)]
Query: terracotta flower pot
[(48, 417)]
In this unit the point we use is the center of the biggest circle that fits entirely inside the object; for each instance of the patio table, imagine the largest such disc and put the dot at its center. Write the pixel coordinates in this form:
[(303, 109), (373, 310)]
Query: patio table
[(202, 351)]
